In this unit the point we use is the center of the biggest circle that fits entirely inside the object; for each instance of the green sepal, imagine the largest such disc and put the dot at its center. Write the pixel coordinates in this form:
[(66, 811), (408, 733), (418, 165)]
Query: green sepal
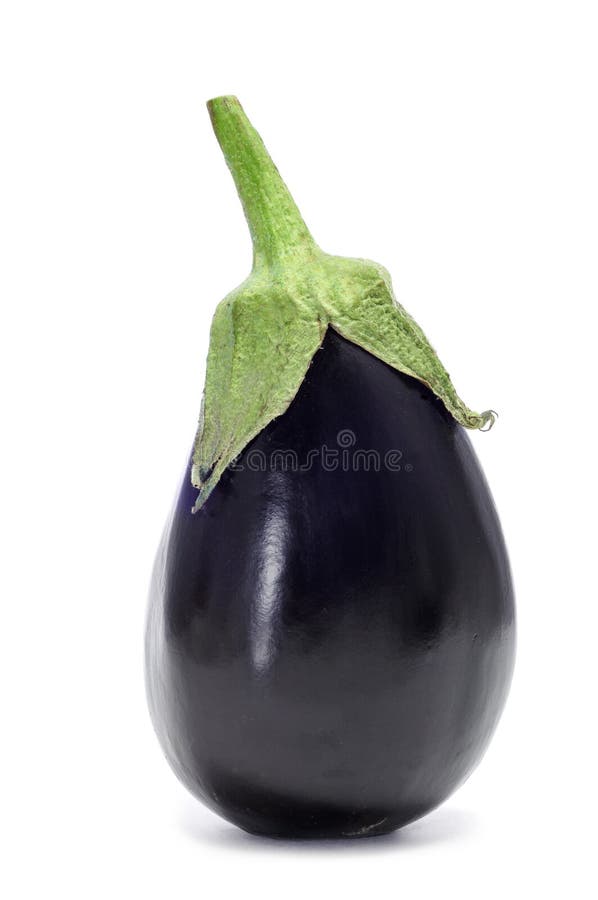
[(261, 345)]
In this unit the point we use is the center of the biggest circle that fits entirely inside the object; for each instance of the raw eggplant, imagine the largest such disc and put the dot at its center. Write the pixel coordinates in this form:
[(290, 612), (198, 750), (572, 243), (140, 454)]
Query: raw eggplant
[(330, 637)]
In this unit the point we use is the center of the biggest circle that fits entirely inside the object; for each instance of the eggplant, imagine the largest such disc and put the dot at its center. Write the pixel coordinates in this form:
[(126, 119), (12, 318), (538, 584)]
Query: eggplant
[(331, 630)]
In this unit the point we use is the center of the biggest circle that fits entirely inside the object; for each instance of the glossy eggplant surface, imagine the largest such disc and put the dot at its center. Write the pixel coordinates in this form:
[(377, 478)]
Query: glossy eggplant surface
[(330, 637)]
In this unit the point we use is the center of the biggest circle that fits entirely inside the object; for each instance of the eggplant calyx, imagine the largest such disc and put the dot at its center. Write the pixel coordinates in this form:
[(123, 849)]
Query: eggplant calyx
[(265, 333)]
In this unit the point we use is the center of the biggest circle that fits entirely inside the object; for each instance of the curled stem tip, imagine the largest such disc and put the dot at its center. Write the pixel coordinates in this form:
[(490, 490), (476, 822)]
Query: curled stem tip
[(488, 418)]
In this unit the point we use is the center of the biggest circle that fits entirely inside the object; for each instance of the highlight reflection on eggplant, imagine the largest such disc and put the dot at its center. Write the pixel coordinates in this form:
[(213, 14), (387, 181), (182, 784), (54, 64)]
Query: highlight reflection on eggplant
[(330, 637)]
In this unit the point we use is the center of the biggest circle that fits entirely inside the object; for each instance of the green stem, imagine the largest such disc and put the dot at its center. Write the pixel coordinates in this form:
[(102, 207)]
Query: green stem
[(277, 228)]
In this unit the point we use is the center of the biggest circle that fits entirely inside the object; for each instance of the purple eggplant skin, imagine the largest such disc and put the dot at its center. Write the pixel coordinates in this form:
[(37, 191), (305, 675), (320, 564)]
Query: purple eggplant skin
[(328, 651)]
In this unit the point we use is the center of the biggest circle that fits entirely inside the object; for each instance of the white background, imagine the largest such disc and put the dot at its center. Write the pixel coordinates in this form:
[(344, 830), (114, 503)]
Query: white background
[(457, 143)]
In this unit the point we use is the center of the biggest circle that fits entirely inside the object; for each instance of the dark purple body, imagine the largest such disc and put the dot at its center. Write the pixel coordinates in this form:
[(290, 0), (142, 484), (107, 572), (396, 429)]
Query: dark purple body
[(329, 650)]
